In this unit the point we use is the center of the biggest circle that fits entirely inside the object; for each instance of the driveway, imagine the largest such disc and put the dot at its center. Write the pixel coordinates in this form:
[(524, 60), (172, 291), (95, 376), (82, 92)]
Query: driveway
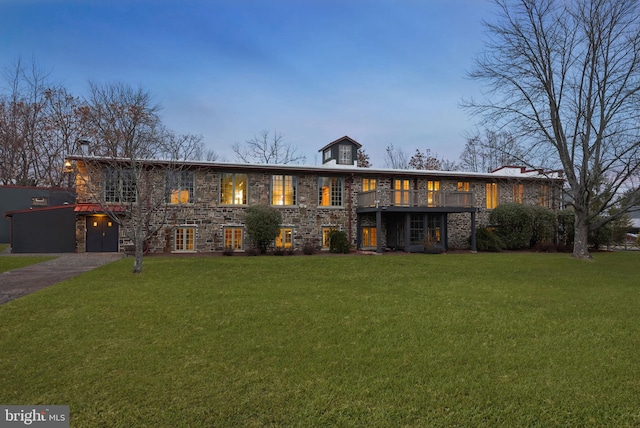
[(19, 282)]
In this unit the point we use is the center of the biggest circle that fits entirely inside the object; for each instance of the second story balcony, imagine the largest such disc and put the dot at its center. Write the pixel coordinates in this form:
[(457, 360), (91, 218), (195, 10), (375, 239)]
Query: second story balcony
[(415, 198)]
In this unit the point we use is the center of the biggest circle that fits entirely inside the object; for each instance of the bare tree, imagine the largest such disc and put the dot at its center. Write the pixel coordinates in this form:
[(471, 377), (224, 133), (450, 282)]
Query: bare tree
[(495, 149), (395, 158), (123, 121), (565, 78), (363, 159), (425, 161), (266, 148), (131, 189)]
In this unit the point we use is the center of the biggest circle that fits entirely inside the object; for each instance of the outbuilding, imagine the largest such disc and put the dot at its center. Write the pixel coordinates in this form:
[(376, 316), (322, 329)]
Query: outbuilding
[(43, 230)]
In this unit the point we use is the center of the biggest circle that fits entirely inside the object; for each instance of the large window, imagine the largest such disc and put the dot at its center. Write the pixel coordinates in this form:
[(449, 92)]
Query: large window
[(416, 233), (119, 185), (330, 191), (369, 237), (368, 184), (233, 238), (463, 186), (545, 196), (179, 187), (492, 195), (233, 189), (401, 191), (518, 193), (284, 238), (283, 190), (184, 239), (433, 190), (345, 156)]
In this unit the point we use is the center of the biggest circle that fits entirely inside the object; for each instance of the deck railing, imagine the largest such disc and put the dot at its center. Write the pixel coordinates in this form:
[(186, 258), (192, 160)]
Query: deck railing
[(415, 198)]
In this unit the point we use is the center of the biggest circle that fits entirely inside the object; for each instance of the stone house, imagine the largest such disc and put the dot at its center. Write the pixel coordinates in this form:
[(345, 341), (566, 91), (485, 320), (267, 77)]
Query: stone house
[(203, 203)]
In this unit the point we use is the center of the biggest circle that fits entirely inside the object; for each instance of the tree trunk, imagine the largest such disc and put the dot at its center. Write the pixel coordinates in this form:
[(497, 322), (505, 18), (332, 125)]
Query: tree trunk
[(581, 237), (139, 252)]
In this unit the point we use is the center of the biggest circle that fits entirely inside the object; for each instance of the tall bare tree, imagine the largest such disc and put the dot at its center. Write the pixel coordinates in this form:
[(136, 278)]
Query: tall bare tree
[(565, 77), (268, 148), (118, 174)]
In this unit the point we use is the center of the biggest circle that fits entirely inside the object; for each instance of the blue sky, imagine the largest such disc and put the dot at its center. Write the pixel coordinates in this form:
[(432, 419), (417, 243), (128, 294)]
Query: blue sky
[(381, 72)]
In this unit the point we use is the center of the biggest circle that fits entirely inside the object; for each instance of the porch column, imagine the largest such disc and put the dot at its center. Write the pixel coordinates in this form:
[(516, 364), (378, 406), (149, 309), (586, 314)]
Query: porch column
[(358, 232), (473, 232), (379, 230)]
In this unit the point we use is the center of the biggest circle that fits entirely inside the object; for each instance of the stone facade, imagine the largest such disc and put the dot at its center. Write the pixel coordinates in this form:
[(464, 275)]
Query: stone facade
[(210, 219)]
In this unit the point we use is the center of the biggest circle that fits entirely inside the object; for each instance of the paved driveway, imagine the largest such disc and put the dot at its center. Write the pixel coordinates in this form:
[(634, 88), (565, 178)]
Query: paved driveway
[(19, 282)]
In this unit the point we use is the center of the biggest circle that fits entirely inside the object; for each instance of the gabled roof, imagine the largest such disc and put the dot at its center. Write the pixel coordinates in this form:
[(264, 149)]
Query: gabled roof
[(339, 140)]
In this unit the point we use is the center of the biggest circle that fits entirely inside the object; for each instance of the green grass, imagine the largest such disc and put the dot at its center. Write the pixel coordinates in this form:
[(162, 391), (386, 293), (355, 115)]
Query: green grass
[(8, 263), (409, 340)]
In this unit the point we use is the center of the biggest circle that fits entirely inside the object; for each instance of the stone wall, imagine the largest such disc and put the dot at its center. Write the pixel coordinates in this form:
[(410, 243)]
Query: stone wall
[(209, 218)]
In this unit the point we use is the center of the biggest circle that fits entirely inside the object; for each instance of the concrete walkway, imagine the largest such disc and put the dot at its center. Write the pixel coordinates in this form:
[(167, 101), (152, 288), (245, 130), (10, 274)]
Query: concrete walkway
[(19, 282)]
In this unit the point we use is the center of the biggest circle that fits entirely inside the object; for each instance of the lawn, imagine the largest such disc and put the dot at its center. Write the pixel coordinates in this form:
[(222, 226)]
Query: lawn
[(398, 340), (8, 263)]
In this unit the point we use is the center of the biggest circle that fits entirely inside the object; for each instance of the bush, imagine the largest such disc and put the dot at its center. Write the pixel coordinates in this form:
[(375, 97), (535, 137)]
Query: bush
[(487, 240), (545, 224), (338, 242), (514, 225), (263, 225), (308, 249)]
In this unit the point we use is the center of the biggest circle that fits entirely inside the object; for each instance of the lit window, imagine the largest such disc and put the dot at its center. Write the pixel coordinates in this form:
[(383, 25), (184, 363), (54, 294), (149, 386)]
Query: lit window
[(368, 184), (330, 191), (433, 188), (184, 239), (518, 193), (345, 157), (283, 190), (401, 193), (285, 238), (433, 230), (369, 237), (492, 195), (179, 187), (233, 189), (119, 185), (326, 231), (463, 186), (545, 196), (233, 238)]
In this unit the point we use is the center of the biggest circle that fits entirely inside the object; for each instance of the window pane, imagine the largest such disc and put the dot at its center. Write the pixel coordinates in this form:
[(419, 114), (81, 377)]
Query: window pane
[(492, 195), (233, 189), (330, 191), (226, 189), (277, 190)]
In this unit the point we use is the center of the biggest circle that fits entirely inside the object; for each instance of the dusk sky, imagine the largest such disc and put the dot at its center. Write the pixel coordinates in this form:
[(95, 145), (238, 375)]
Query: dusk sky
[(381, 72)]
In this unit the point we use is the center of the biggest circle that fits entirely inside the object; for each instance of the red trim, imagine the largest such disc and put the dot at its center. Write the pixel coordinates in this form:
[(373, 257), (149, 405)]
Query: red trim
[(31, 210), (97, 208)]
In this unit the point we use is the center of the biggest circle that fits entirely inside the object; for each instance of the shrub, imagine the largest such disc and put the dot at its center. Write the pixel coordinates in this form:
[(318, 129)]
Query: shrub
[(545, 224), (338, 242), (487, 240), (227, 251), (515, 225), (308, 249), (263, 224)]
